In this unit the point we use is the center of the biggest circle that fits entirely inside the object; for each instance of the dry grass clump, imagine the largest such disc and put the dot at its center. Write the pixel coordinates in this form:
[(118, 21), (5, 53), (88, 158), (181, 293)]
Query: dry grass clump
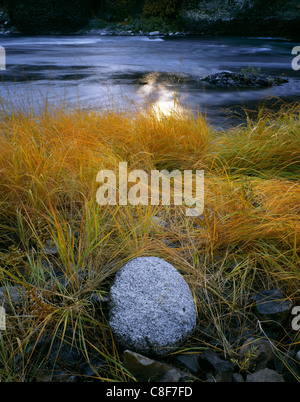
[(247, 238)]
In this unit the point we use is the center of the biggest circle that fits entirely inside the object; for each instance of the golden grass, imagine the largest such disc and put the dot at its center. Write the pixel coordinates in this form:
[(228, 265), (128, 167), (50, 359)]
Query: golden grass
[(248, 236)]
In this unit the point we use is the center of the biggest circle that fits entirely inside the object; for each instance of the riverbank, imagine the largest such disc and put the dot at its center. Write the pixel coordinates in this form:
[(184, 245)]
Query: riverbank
[(231, 18), (60, 250)]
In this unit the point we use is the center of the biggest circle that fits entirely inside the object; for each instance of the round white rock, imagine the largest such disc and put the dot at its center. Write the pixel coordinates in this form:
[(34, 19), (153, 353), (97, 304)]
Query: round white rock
[(152, 310)]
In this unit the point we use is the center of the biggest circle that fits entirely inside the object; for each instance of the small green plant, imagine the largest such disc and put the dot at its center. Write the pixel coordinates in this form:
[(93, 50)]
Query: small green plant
[(245, 363)]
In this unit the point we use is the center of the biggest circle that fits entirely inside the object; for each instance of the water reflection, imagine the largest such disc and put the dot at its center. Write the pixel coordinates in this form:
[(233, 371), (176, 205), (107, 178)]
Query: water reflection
[(162, 91), (98, 71)]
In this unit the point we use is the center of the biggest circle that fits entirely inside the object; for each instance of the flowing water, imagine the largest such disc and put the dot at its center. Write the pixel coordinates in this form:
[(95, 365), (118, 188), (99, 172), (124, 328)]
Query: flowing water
[(126, 71)]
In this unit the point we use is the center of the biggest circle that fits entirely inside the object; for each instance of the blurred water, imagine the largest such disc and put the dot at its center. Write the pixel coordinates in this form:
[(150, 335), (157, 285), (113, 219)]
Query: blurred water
[(98, 71)]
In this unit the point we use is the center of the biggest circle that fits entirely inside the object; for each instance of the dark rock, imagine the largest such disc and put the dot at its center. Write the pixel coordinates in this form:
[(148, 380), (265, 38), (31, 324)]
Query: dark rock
[(50, 248), (208, 334), (244, 333), (57, 278), (242, 18), (63, 376), (256, 354), (286, 364), (145, 369), (90, 370), (237, 377), (64, 352), (271, 307), (171, 244), (265, 375), (243, 80), (189, 362), (99, 301), (44, 376), (222, 369), (11, 297)]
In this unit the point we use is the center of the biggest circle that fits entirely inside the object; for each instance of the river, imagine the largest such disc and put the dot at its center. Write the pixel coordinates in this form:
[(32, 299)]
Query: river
[(128, 71)]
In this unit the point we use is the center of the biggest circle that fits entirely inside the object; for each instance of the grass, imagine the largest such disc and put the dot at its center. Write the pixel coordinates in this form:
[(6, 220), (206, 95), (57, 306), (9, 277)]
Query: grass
[(247, 239)]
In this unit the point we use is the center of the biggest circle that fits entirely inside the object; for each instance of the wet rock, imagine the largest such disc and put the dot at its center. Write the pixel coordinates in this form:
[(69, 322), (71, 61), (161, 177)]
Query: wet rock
[(256, 353), (265, 375), (242, 80), (189, 362), (151, 307), (272, 307), (222, 370), (145, 369)]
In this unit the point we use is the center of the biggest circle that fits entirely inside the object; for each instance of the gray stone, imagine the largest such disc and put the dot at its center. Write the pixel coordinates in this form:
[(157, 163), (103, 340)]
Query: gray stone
[(265, 375), (158, 221), (237, 377), (11, 297), (50, 248), (298, 356), (152, 309), (145, 369), (222, 369), (171, 244), (189, 362), (272, 307), (256, 353)]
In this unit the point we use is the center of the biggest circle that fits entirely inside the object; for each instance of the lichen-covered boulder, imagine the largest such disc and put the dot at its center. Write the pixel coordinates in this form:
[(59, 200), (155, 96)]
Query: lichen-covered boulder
[(151, 306)]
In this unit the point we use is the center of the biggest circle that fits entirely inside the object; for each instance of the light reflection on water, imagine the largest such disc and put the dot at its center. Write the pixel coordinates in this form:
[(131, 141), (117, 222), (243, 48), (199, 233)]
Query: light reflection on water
[(96, 71)]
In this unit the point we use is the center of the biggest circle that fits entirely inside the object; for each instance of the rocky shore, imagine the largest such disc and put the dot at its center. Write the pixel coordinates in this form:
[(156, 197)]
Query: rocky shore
[(143, 321)]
